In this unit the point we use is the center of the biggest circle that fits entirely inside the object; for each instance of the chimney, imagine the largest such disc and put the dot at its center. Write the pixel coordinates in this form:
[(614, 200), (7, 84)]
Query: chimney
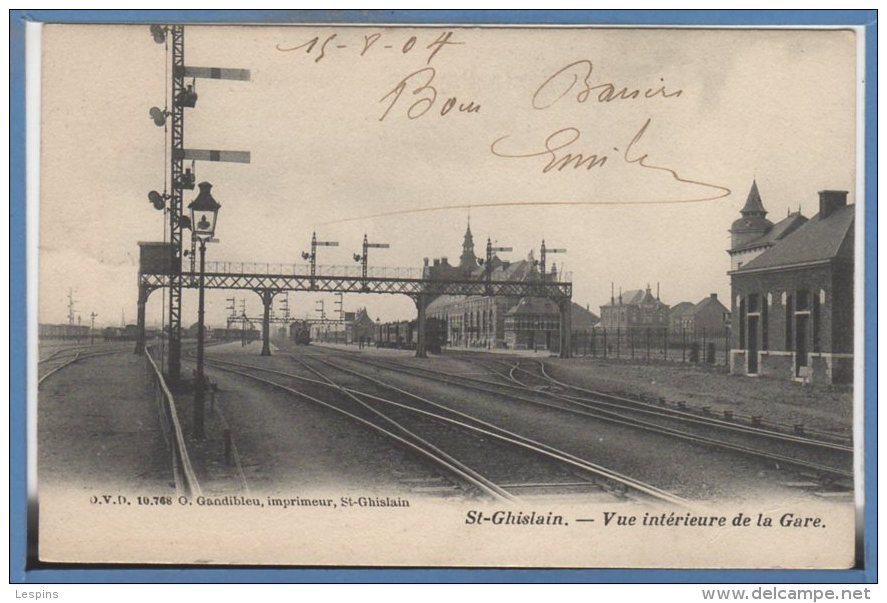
[(713, 296), (829, 201), (443, 260), (437, 261)]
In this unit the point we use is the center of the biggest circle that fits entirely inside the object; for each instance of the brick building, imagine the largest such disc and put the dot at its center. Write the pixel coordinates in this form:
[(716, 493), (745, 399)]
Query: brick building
[(792, 303), (752, 233), (498, 322)]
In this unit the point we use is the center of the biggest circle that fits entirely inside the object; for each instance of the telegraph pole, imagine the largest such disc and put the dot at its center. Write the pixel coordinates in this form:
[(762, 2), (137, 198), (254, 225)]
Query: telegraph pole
[(340, 310), (71, 314), (232, 310), (338, 303), (92, 316), (285, 306)]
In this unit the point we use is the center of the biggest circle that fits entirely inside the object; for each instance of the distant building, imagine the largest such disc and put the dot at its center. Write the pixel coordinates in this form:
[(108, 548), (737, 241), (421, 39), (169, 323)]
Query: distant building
[(708, 316), (635, 309), (792, 303), (677, 315), (62, 331), (497, 321), (359, 327), (534, 323)]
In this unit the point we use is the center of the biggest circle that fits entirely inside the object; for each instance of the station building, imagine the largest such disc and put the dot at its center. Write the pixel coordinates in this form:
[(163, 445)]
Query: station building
[(494, 322), (792, 292)]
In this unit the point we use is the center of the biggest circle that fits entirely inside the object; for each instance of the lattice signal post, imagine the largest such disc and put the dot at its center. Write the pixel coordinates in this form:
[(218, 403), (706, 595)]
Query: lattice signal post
[(182, 96), (543, 251), (312, 256)]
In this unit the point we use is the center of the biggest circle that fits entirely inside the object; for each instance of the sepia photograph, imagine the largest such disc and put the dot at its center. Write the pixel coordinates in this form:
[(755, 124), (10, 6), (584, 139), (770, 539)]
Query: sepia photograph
[(448, 296)]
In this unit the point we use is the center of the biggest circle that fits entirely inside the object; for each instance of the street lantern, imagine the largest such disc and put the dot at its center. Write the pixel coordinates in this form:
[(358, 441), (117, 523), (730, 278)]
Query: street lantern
[(204, 211)]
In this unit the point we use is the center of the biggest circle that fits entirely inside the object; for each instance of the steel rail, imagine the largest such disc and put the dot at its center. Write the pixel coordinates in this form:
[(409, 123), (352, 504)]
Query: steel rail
[(690, 417), (642, 407), (499, 433), (481, 483), (78, 356), (408, 432), (56, 369), (511, 437), (611, 417), (631, 405)]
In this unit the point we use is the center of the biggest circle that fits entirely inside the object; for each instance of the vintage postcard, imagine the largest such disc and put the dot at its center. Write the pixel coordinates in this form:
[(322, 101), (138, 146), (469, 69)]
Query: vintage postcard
[(448, 296)]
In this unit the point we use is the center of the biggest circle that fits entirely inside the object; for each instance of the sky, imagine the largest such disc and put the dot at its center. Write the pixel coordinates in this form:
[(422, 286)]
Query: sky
[(346, 139)]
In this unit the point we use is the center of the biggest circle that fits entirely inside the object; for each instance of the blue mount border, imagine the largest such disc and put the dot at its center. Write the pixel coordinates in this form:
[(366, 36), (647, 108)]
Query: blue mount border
[(18, 573)]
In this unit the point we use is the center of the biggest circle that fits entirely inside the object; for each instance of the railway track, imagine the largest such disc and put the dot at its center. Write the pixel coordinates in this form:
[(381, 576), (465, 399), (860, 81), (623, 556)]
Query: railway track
[(827, 463), (538, 374), (537, 378), (60, 359), (484, 457)]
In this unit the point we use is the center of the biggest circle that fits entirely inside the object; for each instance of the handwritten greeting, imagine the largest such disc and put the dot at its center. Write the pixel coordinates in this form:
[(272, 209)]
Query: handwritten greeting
[(430, 92)]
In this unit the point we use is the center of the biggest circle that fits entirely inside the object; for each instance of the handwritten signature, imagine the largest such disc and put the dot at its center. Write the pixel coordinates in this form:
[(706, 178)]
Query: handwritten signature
[(565, 80), (558, 160)]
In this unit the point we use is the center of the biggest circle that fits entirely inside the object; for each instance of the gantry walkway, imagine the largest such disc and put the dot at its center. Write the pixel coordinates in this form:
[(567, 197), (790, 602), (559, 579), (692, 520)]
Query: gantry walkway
[(268, 280)]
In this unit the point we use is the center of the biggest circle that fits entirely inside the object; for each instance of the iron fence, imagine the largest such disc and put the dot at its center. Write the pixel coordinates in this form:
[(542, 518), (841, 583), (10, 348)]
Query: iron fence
[(692, 346)]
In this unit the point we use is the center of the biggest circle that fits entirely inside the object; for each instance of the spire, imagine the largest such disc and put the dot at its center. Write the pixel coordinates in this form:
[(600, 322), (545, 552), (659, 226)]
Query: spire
[(753, 204), (468, 260)]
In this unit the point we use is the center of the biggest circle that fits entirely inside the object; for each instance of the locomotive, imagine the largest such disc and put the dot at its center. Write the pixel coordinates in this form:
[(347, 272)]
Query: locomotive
[(300, 332)]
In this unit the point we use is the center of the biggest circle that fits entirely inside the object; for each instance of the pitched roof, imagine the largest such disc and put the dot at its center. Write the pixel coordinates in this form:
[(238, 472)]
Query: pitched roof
[(681, 309), (533, 305), (582, 318), (502, 271), (816, 240), (634, 297), (753, 203), (778, 231), (709, 302)]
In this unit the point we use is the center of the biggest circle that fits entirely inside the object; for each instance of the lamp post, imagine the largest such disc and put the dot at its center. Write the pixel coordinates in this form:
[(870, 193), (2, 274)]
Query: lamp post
[(204, 211)]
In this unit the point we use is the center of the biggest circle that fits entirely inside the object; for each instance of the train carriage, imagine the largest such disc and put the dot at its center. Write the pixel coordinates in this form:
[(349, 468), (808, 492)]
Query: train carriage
[(405, 335)]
